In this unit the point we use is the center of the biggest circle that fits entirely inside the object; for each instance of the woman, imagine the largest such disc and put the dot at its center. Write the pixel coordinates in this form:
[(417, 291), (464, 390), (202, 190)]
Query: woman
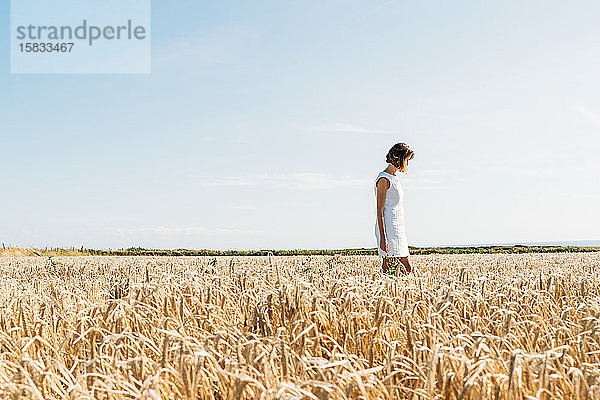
[(392, 243)]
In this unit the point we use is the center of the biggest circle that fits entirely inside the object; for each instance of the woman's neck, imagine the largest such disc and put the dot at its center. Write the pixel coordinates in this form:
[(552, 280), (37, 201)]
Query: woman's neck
[(391, 170)]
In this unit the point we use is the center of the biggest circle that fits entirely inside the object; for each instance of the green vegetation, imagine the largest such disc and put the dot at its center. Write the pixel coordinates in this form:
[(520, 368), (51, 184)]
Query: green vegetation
[(138, 251)]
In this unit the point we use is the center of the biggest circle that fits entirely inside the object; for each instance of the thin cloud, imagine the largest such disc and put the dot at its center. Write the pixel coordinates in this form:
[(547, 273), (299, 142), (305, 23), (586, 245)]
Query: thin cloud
[(348, 128), (588, 114), (424, 183), (244, 207), (433, 172), (420, 187), (299, 181), (186, 230), (429, 179)]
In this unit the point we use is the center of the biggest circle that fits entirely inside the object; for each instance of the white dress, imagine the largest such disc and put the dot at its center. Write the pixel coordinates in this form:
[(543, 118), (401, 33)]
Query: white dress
[(393, 218)]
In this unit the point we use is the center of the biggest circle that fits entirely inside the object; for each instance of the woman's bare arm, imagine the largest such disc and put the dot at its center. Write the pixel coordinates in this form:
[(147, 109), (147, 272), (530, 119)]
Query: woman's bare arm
[(383, 185)]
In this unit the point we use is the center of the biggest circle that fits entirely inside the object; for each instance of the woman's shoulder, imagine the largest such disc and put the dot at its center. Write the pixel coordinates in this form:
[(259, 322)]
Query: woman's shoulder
[(389, 177), (386, 175)]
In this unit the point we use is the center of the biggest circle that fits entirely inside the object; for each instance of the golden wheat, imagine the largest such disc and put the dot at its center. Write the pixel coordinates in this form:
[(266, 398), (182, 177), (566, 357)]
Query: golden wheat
[(463, 327)]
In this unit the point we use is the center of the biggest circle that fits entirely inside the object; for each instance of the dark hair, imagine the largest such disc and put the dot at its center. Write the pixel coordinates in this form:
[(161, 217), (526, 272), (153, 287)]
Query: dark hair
[(398, 153)]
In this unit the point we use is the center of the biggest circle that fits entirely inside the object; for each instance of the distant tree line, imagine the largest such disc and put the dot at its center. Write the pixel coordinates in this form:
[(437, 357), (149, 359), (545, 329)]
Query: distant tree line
[(138, 251)]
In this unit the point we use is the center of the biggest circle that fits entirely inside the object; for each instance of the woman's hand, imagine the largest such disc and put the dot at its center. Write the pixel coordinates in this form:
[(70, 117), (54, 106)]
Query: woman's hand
[(384, 244)]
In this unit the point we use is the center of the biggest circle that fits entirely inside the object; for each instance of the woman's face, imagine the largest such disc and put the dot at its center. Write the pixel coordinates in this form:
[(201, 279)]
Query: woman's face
[(405, 165)]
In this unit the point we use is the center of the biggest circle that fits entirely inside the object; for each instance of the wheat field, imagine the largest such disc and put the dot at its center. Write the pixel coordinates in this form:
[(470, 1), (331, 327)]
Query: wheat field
[(479, 326)]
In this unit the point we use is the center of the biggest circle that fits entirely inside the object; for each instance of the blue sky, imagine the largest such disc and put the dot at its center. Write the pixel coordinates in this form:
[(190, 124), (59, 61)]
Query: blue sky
[(263, 125)]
